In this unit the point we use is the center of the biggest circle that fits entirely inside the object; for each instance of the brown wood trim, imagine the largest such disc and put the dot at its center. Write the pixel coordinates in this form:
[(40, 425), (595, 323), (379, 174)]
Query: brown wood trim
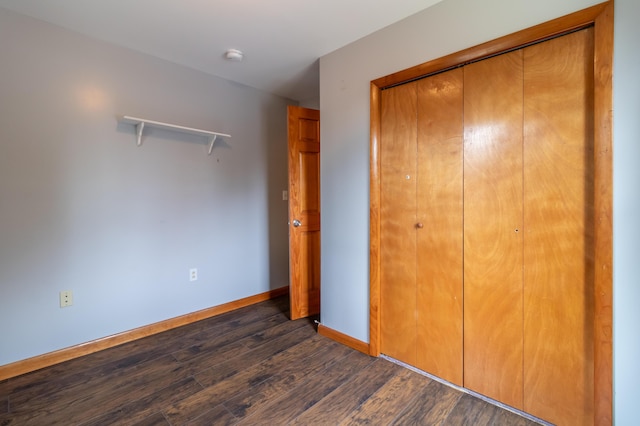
[(374, 224), (512, 41), (46, 360), (349, 341), (603, 200), (601, 17)]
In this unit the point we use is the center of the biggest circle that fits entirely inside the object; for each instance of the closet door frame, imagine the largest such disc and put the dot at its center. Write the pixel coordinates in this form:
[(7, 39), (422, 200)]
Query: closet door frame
[(600, 17)]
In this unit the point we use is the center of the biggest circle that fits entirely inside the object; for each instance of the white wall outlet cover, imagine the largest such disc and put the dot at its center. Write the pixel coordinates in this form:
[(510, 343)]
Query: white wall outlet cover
[(66, 298)]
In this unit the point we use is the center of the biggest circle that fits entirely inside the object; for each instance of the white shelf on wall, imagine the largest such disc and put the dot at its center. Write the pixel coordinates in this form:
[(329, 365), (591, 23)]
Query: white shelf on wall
[(140, 124)]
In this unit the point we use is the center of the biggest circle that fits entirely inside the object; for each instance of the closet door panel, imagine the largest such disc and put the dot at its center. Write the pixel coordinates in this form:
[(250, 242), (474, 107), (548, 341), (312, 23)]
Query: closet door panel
[(559, 219), (397, 223), (439, 240), (492, 228)]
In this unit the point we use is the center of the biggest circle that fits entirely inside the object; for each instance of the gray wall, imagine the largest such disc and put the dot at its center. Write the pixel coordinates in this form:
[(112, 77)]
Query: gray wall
[(626, 205), (83, 209), (447, 27)]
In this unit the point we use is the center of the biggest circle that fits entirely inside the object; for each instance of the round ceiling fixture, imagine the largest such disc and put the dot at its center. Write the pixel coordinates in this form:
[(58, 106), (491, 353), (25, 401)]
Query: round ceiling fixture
[(234, 55)]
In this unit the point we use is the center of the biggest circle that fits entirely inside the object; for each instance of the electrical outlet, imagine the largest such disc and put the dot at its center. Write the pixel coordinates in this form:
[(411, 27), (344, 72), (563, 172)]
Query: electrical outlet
[(66, 298), (193, 274)]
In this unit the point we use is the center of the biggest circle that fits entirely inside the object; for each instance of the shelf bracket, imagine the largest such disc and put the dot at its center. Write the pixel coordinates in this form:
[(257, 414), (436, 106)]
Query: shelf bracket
[(212, 140), (139, 128)]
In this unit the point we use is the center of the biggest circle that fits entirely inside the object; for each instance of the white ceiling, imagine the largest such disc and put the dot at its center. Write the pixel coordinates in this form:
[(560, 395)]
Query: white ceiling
[(281, 39)]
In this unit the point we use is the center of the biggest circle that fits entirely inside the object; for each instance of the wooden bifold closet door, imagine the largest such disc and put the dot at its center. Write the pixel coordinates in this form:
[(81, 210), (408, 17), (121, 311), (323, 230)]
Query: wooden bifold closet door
[(493, 228), (422, 224), (559, 222), (486, 249)]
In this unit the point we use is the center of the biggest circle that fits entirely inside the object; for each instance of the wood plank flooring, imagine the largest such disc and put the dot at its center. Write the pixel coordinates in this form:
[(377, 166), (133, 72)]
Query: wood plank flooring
[(251, 366)]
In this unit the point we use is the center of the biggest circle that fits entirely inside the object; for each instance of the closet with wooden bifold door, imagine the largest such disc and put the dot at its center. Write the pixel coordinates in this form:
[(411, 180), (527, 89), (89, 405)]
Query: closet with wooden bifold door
[(486, 212)]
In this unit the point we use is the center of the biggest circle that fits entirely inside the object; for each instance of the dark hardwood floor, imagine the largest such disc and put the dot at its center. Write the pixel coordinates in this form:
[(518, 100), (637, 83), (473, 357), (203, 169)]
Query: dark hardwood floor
[(247, 367)]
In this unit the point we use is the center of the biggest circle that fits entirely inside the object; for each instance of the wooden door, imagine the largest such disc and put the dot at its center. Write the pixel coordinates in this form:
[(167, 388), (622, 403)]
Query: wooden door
[(439, 217), (421, 224), (398, 223), (304, 211), (559, 222), (492, 228)]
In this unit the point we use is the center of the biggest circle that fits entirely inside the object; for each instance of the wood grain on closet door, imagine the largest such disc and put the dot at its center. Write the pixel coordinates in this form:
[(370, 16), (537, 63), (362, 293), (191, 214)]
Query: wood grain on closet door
[(559, 223), (492, 228), (397, 223), (439, 226)]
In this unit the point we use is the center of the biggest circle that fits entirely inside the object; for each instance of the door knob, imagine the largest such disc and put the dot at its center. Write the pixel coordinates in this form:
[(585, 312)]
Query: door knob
[(296, 223), (419, 225)]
